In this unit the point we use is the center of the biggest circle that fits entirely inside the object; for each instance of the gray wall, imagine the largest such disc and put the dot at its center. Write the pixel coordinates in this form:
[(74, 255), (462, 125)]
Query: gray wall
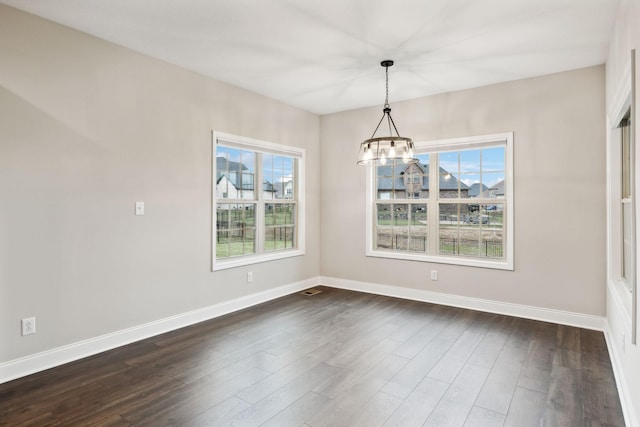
[(559, 152), (86, 129)]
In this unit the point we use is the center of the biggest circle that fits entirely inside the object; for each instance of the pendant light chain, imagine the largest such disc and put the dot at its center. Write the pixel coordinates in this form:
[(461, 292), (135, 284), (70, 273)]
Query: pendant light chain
[(386, 99)]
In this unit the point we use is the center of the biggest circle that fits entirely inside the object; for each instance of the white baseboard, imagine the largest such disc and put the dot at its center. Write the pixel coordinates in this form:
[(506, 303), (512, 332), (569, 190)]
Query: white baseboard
[(528, 312), (48, 359)]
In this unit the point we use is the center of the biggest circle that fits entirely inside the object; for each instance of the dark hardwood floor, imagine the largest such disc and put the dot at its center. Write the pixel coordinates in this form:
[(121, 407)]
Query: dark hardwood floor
[(337, 358)]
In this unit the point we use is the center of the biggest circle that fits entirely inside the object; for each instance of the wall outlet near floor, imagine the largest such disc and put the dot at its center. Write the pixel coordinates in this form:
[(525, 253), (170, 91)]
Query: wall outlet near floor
[(28, 326), (434, 274), (249, 276)]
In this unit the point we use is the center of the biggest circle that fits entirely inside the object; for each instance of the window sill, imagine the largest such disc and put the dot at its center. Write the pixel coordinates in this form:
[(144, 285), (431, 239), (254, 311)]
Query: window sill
[(255, 259), (442, 259)]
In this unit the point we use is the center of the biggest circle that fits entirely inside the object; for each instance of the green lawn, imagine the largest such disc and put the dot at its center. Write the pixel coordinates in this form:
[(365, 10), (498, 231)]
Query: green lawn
[(227, 247)]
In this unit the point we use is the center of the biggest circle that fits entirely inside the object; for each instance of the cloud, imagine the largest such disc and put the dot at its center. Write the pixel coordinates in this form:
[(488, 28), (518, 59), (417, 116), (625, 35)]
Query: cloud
[(286, 178)]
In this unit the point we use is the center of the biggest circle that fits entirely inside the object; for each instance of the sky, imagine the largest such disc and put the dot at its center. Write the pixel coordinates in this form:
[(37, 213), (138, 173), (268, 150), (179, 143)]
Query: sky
[(474, 166), (275, 168), (469, 166)]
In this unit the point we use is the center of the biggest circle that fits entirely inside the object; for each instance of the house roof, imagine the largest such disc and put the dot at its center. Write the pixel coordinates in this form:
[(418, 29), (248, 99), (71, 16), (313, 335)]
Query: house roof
[(499, 188), (476, 188), (495, 191), (223, 164), (387, 181), (233, 170)]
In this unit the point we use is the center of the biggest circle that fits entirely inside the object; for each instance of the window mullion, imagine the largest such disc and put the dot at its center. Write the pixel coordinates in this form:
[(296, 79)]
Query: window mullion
[(260, 202), (432, 206)]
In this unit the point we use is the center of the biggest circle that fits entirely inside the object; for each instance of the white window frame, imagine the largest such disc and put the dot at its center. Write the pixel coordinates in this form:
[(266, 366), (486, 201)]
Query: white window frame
[(628, 229), (436, 146), (260, 147), (624, 290)]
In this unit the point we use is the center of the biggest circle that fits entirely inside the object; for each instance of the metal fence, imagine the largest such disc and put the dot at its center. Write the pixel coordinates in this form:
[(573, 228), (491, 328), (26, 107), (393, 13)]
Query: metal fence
[(402, 243), (486, 248), (464, 247)]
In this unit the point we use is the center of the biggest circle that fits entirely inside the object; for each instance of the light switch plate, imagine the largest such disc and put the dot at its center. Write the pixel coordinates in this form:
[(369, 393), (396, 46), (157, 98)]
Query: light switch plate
[(139, 208)]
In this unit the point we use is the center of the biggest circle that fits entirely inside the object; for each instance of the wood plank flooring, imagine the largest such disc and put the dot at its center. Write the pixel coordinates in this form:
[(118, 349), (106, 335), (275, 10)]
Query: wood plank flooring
[(338, 358)]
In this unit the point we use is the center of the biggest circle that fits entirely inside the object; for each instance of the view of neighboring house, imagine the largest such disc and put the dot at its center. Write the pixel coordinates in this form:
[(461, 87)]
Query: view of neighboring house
[(476, 188), (283, 189), (496, 191), (412, 182), (235, 181)]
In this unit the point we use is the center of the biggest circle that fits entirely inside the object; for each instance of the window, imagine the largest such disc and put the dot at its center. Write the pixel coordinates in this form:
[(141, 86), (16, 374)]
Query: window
[(454, 206), (626, 201), (258, 206)]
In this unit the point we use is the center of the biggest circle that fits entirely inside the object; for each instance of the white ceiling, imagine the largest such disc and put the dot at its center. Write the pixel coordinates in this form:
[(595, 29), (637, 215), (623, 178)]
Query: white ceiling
[(324, 55)]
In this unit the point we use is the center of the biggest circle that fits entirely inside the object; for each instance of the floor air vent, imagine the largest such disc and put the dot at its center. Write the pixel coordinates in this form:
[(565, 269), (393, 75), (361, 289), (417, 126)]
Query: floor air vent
[(310, 292)]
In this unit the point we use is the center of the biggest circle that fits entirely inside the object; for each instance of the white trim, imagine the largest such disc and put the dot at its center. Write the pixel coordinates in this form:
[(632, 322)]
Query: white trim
[(440, 259), (626, 402), (524, 311), (451, 144), (622, 99), (223, 264), (260, 147), (464, 142), (634, 162), (243, 142), (48, 359)]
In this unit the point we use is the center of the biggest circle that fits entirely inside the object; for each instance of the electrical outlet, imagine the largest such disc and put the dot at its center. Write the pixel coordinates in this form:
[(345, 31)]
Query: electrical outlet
[(28, 326), (250, 277), (434, 274)]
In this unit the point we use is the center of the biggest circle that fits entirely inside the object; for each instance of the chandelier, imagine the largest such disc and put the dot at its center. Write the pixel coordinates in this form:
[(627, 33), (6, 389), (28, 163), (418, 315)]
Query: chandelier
[(386, 149)]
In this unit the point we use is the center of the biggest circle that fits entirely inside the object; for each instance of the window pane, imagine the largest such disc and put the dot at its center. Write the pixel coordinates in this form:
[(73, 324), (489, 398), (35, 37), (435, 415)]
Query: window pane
[(279, 237), (472, 230), (279, 175), (403, 181), (235, 173), (494, 181), (625, 129), (402, 227), (627, 244), (469, 161), (493, 159), (449, 185), (449, 162), (472, 173), (418, 228), (472, 181), (235, 224), (384, 231), (469, 185), (400, 215), (280, 229), (415, 181)]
